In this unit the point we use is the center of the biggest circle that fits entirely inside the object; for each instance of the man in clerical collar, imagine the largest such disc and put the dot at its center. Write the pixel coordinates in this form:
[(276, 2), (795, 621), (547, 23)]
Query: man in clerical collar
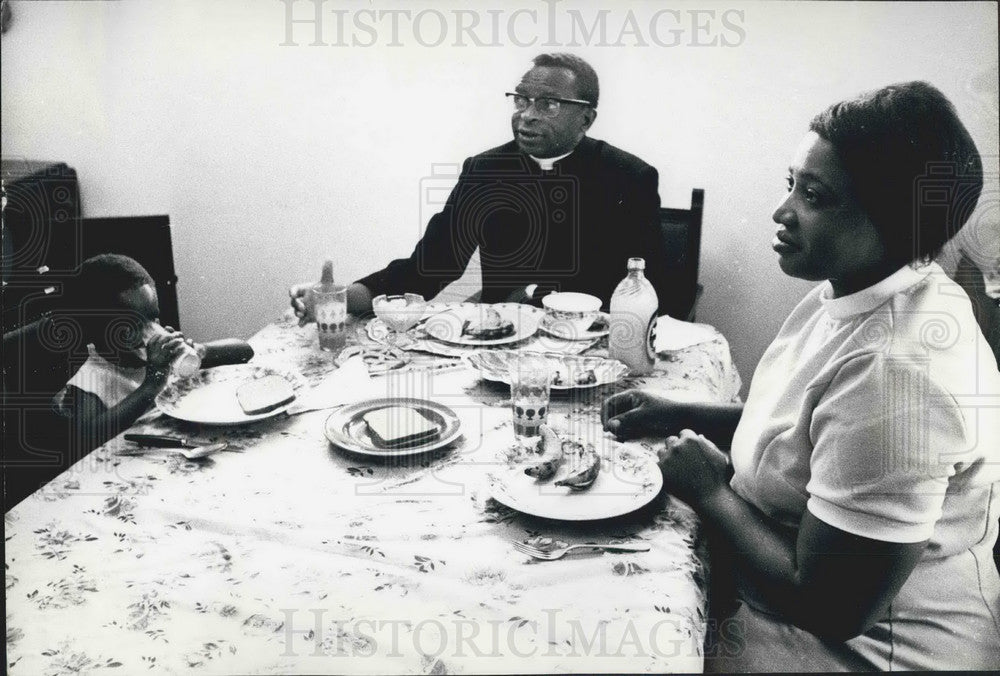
[(551, 210), (554, 106)]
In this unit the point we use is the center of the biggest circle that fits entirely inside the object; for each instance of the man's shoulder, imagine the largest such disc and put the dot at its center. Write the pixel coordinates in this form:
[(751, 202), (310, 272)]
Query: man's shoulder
[(506, 158), (610, 155), (589, 151), (504, 150)]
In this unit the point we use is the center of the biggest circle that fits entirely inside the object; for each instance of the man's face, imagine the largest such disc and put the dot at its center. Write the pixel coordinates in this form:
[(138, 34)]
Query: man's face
[(542, 136)]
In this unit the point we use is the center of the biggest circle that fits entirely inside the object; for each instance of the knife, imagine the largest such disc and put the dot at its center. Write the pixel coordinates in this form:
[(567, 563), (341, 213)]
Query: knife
[(166, 441)]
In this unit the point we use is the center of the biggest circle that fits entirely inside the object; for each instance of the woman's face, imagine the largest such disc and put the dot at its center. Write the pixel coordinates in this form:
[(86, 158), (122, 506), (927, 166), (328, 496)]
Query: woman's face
[(824, 233)]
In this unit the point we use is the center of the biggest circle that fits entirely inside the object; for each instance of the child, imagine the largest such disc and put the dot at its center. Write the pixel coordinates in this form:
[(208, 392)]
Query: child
[(129, 355)]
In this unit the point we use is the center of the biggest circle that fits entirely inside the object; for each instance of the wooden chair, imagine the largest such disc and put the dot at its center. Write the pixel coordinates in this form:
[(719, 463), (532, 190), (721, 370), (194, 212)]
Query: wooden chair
[(986, 309), (148, 240), (681, 229)]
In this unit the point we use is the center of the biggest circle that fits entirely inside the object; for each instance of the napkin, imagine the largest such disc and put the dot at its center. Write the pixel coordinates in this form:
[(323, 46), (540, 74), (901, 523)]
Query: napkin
[(673, 334), (346, 385)]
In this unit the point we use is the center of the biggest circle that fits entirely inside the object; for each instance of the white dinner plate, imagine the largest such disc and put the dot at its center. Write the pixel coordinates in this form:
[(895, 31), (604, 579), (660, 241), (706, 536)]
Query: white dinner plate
[(564, 330), (347, 429), (569, 371), (209, 396), (447, 326), (629, 479)]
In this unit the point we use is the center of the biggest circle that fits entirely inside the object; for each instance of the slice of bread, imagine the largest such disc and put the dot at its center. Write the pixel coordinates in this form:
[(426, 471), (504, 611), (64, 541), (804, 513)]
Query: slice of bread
[(399, 426), (261, 395)]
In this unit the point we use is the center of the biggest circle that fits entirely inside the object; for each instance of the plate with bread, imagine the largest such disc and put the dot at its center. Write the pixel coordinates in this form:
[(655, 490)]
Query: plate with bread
[(392, 427), (575, 475), (479, 324), (231, 395)]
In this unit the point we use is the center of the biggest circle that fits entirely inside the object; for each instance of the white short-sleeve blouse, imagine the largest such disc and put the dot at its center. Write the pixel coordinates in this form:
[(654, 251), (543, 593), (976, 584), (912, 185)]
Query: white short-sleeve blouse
[(879, 412)]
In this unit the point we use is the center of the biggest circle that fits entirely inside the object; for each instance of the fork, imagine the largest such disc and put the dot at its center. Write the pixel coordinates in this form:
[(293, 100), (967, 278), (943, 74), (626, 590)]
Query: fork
[(554, 554)]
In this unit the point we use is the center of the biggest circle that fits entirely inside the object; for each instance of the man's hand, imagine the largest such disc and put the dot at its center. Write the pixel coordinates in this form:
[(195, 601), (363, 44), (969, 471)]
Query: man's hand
[(636, 413), (303, 302), (693, 467), (359, 301)]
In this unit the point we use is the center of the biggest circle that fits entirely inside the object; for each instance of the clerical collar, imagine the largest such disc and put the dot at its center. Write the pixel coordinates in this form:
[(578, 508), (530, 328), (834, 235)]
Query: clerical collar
[(547, 163)]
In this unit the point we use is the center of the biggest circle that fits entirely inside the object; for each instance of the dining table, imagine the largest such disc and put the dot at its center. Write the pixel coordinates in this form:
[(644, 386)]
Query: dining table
[(294, 555)]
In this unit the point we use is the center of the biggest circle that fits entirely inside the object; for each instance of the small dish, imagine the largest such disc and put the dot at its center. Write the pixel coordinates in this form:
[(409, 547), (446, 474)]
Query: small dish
[(347, 429), (569, 371), (577, 311), (567, 331)]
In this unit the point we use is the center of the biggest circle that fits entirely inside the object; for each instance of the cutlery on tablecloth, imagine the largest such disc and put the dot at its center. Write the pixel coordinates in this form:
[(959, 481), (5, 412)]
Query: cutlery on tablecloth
[(196, 453), (553, 554), (165, 441)]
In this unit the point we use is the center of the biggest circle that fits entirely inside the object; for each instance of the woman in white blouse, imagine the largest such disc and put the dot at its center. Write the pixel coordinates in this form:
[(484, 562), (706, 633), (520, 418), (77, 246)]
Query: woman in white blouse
[(861, 504)]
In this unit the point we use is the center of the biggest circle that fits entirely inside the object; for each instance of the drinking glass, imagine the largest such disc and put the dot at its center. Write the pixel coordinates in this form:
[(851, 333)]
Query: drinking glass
[(530, 380), (399, 312), (331, 317)]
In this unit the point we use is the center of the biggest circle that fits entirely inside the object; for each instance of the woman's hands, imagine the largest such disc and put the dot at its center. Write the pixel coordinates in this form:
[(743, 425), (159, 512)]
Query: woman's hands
[(693, 467), (636, 413)]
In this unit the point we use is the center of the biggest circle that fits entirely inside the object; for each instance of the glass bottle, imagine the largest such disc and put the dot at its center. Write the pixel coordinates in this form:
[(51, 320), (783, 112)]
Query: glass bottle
[(632, 334)]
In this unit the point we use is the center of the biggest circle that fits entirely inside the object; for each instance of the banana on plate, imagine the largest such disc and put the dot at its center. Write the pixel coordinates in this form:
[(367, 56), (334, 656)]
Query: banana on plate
[(585, 473), (552, 456)]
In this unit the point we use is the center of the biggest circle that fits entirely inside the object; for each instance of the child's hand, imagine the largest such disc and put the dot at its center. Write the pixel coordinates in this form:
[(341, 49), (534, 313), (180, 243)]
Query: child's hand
[(162, 348), (200, 348)]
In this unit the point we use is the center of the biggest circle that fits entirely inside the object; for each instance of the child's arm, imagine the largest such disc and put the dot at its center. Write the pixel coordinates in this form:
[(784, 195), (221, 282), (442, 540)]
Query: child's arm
[(94, 423), (226, 351)]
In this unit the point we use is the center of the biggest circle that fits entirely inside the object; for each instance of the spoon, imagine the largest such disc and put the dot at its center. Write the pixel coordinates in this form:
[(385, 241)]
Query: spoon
[(195, 453)]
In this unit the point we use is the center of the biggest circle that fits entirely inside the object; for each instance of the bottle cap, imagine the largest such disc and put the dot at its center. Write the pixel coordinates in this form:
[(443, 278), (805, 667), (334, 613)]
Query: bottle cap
[(636, 264)]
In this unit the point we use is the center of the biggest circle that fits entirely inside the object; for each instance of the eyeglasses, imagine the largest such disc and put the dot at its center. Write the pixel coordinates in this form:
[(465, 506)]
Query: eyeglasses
[(546, 106)]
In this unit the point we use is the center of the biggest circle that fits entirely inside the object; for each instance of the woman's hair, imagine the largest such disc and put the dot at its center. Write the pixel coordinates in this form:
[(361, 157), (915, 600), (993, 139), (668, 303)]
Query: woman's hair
[(913, 165), (586, 78), (102, 278)]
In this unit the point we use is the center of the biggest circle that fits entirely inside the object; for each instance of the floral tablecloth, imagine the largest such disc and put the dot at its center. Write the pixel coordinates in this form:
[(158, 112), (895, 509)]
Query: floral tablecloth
[(295, 557)]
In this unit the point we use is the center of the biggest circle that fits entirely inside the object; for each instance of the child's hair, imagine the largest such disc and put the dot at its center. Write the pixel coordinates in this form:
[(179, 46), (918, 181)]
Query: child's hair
[(102, 278)]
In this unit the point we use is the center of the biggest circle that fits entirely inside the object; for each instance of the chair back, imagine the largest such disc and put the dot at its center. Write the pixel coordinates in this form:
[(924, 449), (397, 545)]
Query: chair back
[(985, 308), (681, 231), (148, 240)]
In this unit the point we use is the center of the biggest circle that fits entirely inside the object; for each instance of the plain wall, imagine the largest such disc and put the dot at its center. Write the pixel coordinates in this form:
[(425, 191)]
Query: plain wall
[(269, 158)]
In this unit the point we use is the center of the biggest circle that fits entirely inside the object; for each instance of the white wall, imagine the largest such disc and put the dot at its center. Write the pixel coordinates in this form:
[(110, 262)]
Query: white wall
[(269, 158)]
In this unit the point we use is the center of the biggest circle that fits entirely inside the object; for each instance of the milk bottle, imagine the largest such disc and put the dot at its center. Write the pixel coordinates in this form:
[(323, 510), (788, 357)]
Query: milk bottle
[(632, 332)]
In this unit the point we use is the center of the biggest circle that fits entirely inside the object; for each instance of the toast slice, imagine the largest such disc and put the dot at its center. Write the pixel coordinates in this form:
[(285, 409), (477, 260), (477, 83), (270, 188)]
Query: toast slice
[(261, 395), (399, 426)]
